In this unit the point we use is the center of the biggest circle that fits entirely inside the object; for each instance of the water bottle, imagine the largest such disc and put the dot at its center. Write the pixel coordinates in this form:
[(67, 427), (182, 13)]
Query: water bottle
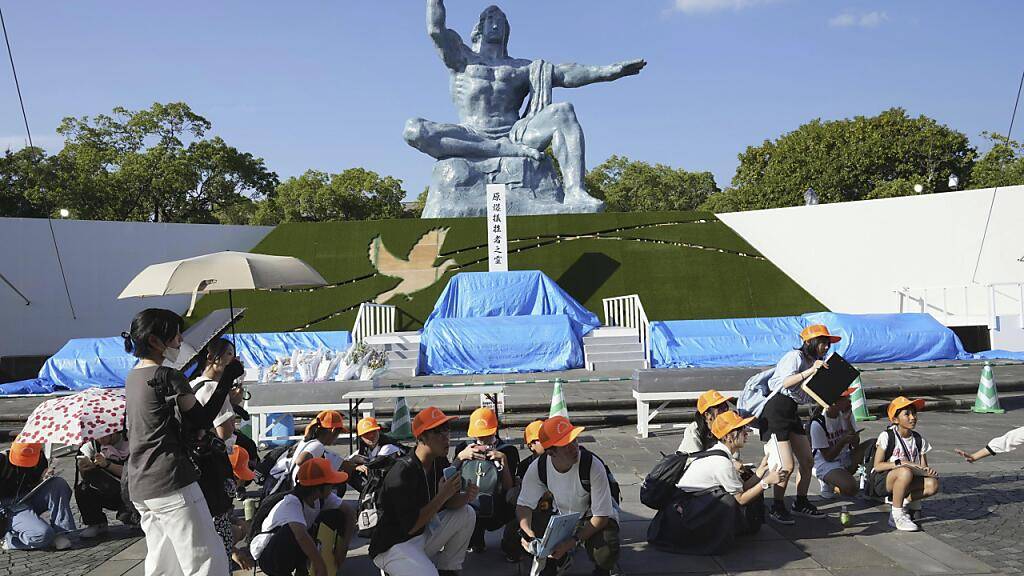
[(844, 517), (250, 509), (863, 474)]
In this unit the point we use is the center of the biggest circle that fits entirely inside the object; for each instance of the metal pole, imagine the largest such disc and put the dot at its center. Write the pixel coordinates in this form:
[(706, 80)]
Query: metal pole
[(16, 291)]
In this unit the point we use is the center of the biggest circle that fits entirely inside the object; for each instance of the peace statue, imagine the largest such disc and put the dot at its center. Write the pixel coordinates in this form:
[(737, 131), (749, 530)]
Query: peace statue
[(494, 142)]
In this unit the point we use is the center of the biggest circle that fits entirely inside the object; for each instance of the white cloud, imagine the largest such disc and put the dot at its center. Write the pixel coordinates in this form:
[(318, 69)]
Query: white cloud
[(705, 6), (850, 20)]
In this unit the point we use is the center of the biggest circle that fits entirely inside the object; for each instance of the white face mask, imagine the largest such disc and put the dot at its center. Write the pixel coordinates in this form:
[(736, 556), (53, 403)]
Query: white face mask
[(171, 354)]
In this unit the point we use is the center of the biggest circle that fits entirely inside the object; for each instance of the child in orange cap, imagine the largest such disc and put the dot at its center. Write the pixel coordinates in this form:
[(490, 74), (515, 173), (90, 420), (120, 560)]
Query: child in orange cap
[(22, 468), (697, 436), (285, 540), (561, 470), (901, 465), (373, 444), (780, 418), (322, 432), (491, 463), (425, 521), (545, 508)]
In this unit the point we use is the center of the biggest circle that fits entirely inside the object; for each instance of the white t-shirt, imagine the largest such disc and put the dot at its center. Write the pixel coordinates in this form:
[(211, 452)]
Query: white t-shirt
[(792, 363), (823, 439), (318, 450), (570, 496), (711, 471), (227, 412), (290, 510), (385, 450), (116, 451), (899, 453)]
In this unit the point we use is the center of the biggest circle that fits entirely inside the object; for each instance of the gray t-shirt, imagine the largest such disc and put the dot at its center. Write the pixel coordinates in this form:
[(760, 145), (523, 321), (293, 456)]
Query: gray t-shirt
[(158, 464), (792, 363)]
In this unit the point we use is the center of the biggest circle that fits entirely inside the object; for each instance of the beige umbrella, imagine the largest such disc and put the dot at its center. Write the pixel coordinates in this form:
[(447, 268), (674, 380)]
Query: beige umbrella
[(222, 272)]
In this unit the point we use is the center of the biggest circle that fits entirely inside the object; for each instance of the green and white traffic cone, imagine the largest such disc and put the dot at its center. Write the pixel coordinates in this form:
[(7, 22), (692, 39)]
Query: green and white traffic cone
[(988, 399), (401, 423), (558, 405), (860, 403)]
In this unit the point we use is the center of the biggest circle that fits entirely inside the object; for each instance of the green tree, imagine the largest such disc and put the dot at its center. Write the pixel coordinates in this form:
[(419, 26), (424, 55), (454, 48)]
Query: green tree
[(354, 194), (1003, 165), (28, 180), (157, 165), (847, 160), (416, 210), (632, 186)]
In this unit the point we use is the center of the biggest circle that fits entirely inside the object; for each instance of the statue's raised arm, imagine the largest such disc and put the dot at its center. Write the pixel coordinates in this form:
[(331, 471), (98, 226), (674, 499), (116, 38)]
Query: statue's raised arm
[(448, 42), (576, 75)]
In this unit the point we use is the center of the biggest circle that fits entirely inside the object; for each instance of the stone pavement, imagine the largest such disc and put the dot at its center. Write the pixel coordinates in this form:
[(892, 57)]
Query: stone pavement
[(972, 527)]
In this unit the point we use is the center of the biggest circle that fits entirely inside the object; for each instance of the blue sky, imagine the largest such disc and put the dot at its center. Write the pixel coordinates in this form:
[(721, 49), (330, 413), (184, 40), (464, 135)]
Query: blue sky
[(329, 85)]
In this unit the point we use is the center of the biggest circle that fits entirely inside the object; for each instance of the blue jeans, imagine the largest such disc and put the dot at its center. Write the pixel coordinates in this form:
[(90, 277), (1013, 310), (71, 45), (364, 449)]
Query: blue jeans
[(30, 532)]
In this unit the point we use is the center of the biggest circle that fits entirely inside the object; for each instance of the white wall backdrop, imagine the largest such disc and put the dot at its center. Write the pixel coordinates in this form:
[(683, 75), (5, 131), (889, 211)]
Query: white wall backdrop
[(853, 256), (99, 259)]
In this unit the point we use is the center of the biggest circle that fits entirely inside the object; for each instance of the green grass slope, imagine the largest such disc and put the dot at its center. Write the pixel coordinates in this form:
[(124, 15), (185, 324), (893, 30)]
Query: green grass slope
[(684, 265)]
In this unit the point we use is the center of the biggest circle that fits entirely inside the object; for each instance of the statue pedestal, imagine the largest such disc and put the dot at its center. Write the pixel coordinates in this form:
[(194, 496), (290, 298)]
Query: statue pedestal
[(458, 188)]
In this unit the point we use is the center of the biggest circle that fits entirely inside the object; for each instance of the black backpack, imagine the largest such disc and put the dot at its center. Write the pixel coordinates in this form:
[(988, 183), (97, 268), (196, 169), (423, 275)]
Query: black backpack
[(659, 487), (369, 497), (586, 461), (266, 506), (270, 459)]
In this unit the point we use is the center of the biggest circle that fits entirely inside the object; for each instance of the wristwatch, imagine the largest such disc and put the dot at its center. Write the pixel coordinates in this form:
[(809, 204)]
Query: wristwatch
[(764, 485)]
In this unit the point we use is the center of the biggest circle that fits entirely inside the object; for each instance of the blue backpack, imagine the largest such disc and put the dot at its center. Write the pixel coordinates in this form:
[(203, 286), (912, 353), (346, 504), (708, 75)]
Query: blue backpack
[(756, 394)]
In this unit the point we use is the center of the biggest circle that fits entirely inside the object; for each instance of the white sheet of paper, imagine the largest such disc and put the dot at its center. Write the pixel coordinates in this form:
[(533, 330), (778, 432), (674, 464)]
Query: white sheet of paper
[(771, 450), (559, 529)]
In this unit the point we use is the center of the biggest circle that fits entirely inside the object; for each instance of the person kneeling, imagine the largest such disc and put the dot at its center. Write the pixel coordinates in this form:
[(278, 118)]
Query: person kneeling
[(425, 522), (837, 449), (286, 538), (561, 470), (901, 465), (715, 504)]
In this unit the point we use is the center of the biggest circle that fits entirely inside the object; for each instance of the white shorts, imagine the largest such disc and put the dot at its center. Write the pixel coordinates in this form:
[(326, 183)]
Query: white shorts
[(822, 467)]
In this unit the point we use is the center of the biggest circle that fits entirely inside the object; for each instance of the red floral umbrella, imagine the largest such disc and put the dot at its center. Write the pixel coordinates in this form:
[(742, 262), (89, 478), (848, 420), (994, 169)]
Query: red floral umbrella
[(74, 420)]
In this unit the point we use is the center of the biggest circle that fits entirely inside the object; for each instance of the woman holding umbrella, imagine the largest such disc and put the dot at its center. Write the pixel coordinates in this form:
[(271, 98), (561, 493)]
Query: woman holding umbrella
[(162, 479)]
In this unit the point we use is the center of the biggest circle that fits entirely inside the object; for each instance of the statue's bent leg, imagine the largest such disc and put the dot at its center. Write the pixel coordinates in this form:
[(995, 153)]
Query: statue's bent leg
[(442, 141), (556, 125)]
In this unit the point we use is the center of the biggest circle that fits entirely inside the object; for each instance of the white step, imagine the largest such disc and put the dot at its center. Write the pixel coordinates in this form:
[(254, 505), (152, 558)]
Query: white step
[(612, 331), (402, 363), (402, 354), (618, 365), (393, 338), (594, 357), (634, 347), (611, 340)]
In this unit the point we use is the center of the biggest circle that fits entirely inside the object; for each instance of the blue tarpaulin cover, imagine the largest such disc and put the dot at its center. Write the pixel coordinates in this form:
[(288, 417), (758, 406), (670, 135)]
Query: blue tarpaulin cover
[(763, 341), (504, 322), (86, 362), (501, 345)]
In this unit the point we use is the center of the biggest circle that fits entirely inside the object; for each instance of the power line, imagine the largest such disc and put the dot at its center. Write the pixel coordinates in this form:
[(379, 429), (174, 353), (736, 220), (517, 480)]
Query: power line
[(992, 204), (24, 116)]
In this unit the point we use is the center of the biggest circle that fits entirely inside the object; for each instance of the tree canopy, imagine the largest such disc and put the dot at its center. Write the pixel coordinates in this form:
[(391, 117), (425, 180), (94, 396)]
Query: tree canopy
[(353, 194), (633, 186)]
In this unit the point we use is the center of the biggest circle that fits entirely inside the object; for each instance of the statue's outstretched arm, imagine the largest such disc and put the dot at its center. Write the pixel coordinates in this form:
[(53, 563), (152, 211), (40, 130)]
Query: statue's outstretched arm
[(576, 75), (448, 42)]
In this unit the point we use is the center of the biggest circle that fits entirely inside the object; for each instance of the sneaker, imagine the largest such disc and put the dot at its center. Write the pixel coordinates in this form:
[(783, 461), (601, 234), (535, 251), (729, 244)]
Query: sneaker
[(903, 523), (61, 542), (93, 530), (780, 515), (803, 507), (825, 490)]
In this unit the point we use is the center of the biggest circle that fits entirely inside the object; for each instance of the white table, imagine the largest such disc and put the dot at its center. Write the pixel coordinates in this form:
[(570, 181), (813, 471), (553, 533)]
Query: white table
[(492, 392), (644, 415)]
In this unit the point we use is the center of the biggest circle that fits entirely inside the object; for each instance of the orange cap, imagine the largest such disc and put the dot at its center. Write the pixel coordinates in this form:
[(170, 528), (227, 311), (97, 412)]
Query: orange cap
[(429, 418), (711, 398), (368, 424), (900, 403), (25, 454), (558, 431), (816, 330), (318, 471), (848, 392), (239, 458), (727, 422), (482, 423), (532, 432), (331, 420)]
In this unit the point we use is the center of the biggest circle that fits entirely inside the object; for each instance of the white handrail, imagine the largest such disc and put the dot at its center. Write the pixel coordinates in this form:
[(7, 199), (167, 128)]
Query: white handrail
[(373, 320), (987, 291), (628, 312)]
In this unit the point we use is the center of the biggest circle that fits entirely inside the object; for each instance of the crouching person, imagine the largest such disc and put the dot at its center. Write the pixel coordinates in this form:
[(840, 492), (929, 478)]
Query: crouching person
[(561, 470), (22, 469), (425, 522), (286, 537), (837, 449), (715, 504), (901, 469)]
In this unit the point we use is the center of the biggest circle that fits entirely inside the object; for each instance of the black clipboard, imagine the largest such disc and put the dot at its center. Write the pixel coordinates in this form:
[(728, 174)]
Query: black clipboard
[(827, 385)]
